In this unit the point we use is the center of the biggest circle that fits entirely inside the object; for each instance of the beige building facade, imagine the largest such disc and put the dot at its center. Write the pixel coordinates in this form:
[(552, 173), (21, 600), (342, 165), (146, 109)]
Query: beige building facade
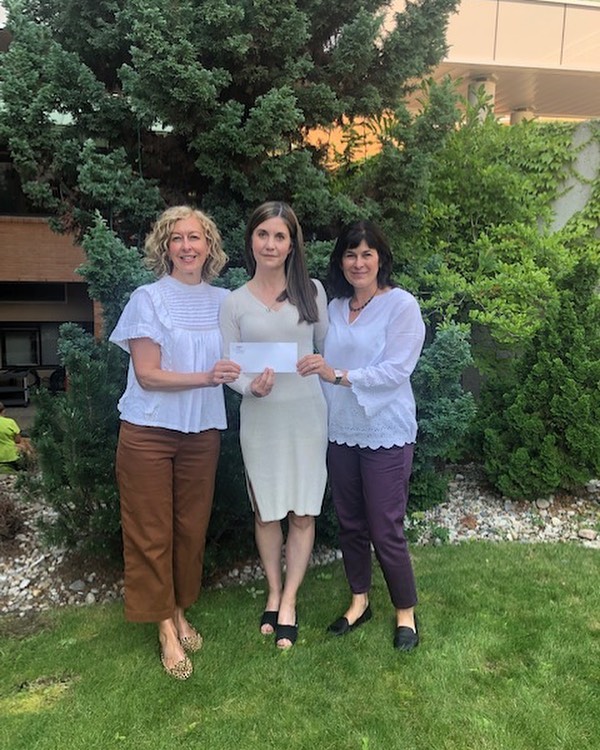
[(534, 59)]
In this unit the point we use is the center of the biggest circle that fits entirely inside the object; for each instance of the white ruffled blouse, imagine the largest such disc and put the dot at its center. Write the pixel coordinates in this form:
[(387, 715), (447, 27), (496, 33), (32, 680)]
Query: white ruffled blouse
[(380, 349), (183, 320)]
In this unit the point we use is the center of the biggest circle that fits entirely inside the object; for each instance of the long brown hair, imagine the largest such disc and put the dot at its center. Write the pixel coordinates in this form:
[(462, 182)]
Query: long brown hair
[(299, 289)]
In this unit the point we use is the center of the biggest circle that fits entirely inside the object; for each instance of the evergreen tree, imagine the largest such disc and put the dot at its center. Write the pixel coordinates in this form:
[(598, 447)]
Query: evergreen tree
[(206, 101), (114, 109), (541, 422), (444, 412), (75, 437)]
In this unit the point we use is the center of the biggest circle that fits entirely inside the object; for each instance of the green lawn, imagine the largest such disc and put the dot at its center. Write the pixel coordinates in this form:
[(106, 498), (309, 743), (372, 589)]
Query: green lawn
[(509, 659)]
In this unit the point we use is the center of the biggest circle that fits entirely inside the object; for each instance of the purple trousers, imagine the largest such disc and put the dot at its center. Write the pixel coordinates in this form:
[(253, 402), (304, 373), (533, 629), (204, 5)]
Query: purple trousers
[(370, 491)]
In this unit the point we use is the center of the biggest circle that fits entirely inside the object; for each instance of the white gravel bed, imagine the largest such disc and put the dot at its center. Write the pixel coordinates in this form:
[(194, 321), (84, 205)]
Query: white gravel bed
[(34, 577), (474, 513)]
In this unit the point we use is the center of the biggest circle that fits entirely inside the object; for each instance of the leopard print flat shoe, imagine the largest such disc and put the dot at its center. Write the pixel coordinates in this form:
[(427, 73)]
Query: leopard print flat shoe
[(193, 642), (181, 670)]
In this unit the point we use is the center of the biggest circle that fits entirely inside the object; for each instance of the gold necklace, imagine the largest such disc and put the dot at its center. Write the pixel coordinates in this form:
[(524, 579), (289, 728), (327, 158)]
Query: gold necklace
[(263, 297), (362, 307)]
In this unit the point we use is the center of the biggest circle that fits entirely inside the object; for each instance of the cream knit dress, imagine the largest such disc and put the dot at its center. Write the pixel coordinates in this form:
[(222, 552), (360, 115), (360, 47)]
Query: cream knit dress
[(283, 435)]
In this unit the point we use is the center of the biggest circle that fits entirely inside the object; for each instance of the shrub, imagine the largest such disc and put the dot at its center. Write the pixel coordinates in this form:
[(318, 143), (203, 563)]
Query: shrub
[(444, 412), (76, 432), (541, 421), (75, 436), (231, 530), (11, 519)]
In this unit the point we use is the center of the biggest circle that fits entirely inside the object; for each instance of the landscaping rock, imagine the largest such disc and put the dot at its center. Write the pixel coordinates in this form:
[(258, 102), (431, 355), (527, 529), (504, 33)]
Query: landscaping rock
[(34, 577)]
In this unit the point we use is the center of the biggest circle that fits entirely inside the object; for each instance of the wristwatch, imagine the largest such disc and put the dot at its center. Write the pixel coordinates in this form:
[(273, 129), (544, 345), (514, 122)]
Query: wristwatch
[(339, 374)]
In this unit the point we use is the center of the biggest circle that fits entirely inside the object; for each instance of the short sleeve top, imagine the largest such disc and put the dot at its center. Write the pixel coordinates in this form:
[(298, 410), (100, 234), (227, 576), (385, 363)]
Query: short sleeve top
[(380, 349), (183, 319), (9, 429)]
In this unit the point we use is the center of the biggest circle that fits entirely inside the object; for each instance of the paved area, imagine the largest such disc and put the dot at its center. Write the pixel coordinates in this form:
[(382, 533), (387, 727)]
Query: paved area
[(23, 416)]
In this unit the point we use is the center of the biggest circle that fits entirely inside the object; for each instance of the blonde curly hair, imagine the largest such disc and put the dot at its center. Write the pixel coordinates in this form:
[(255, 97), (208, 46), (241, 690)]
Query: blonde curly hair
[(157, 243)]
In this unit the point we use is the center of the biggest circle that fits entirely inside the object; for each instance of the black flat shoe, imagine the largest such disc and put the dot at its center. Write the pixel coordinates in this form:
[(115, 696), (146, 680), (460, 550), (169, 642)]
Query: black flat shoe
[(405, 638), (269, 617), (341, 626), (286, 632)]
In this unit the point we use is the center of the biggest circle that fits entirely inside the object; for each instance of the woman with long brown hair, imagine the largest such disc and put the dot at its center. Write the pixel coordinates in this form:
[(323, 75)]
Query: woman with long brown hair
[(283, 422)]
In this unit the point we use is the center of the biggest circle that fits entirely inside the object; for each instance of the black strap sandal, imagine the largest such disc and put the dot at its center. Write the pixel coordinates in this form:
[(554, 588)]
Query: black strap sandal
[(286, 632), (269, 617)]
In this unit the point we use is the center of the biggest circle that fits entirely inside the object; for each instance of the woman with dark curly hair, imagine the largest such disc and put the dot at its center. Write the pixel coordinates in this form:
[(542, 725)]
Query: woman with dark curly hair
[(373, 343), (171, 412)]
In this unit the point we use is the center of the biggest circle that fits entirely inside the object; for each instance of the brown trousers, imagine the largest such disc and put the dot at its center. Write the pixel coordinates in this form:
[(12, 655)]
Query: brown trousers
[(166, 483)]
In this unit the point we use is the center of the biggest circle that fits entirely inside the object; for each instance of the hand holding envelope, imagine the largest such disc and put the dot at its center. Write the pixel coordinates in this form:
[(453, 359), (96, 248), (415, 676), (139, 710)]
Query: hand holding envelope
[(264, 358)]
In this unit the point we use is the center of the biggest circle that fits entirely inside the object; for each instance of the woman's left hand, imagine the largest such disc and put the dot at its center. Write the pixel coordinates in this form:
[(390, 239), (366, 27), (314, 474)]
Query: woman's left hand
[(224, 371), (314, 364)]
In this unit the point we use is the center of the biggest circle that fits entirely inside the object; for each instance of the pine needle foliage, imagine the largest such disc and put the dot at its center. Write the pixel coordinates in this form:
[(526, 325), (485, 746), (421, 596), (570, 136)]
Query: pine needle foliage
[(541, 421), (112, 110), (75, 436), (123, 107), (444, 412)]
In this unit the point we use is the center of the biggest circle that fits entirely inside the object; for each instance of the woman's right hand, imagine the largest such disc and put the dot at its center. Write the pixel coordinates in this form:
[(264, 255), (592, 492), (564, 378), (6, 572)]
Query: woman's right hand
[(263, 383)]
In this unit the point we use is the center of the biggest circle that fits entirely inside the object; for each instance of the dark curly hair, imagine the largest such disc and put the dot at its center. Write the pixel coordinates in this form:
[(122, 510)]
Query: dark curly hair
[(350, 237)]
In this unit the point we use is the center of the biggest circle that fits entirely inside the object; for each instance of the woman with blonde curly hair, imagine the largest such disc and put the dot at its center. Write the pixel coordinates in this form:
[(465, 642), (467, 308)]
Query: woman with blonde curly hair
[(171, 414)]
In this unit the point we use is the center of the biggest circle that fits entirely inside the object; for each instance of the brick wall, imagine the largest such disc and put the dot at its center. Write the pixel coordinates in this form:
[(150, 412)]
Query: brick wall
[(31, 251)]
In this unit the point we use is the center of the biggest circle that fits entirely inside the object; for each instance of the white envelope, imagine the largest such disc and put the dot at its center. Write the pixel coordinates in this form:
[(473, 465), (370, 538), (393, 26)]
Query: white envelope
[(253, 356)]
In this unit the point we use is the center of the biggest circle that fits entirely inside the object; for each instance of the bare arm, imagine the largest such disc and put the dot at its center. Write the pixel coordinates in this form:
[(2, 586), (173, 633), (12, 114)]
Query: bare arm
[(145, 355)]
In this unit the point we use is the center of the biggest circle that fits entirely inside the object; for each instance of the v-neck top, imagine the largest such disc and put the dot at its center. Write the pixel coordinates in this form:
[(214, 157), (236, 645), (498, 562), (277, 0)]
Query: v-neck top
[(380, 349), (283, 435)]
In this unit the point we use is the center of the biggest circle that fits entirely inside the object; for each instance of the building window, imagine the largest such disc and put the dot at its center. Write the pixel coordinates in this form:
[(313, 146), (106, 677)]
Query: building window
[(20, 348), (32, 291)]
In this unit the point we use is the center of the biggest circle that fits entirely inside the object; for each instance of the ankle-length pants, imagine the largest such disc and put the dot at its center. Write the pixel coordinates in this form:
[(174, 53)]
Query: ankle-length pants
[(166, 482), (370, 491)]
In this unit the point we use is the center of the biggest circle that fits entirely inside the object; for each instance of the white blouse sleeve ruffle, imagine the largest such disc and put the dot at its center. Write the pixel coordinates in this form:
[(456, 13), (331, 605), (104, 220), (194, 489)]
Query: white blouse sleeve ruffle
[(144, 316), (404, 336)]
